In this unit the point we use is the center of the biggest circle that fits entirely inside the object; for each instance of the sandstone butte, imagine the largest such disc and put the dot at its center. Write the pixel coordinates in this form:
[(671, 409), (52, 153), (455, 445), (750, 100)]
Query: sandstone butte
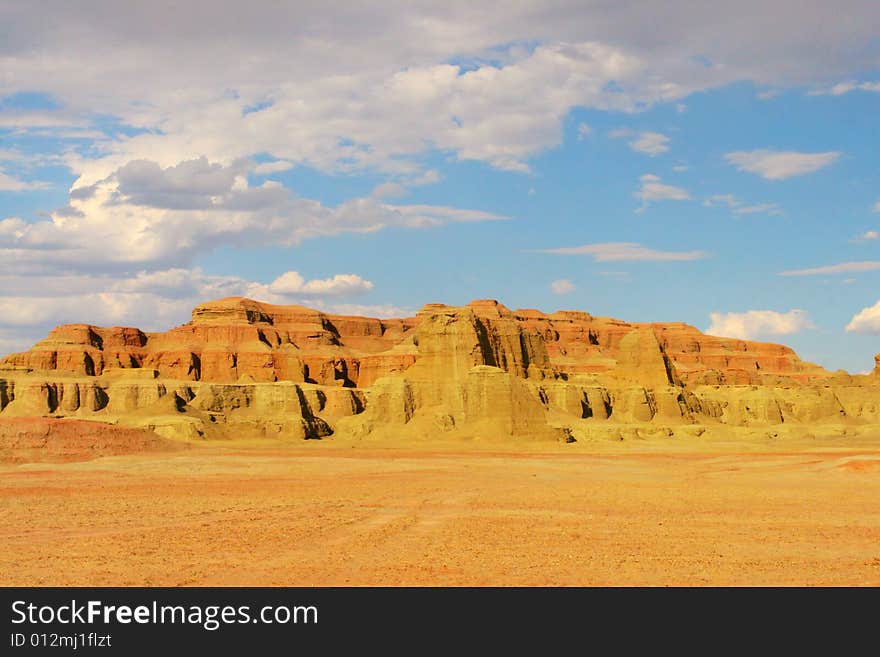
[(244, 369)]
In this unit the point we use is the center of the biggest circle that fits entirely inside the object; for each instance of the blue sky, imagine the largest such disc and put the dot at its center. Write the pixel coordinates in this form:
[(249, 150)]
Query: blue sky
[(684, 169)]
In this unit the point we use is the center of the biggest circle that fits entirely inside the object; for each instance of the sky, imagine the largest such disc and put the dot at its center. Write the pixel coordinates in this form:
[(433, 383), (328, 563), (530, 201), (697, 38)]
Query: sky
[(711, 163)]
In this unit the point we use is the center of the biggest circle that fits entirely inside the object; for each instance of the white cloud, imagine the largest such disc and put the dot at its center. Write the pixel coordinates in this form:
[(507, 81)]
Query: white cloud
[(323, 86), (842, 268), (678, 168), (428, 177), (18, 120), (867, 321), (94, 308), (144, 215), (389, 190), (392, 189), (26, 162), (584, 131), (729, 200), (651, 143), (10, 184), (189, 185), (877, 206), (420, 216), (265, 168), (735, 204), (383, 119), (180, 283), (626, 251), (155, 301), (758, 323), (562, 286), (760, 208), (842, 88), (12, 228), (680, 108), (173, 283), (652, 189), (331, 89), (291, 283), (779, 165)]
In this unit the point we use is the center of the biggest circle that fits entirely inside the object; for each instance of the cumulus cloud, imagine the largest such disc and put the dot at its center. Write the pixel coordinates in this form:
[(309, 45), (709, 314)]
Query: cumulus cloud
[(842, 268), (190, 185), (626, 251), (25, 320), (145, 215), (501, 114), (758, 323), (867, 321), (175, 283), (584, 131), (651, 143), (157, 300), (12, 228), (779, 165), (652, 189), (95, 308), (337, 94), (291, 283), (310, 93), (374, 93), (562, 286)]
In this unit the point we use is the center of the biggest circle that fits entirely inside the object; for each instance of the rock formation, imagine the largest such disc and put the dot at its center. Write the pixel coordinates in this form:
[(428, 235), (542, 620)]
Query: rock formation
[(41, 439), (249, 369)]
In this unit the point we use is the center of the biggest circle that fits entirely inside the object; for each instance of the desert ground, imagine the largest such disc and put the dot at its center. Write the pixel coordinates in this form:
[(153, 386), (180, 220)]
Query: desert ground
[(322, 513)]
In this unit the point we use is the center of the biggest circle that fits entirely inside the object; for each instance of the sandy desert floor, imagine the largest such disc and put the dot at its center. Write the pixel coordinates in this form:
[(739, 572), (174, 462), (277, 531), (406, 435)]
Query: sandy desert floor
[(353, 514)]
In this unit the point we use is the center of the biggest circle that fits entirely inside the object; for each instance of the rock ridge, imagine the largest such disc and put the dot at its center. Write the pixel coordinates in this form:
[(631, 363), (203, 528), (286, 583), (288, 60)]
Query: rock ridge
[(480, 371)]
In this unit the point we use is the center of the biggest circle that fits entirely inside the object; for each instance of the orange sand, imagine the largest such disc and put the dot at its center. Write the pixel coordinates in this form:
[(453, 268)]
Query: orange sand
[(354, 514)]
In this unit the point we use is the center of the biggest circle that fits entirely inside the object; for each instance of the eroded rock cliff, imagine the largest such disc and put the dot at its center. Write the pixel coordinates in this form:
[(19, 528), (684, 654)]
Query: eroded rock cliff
[(244, 368)]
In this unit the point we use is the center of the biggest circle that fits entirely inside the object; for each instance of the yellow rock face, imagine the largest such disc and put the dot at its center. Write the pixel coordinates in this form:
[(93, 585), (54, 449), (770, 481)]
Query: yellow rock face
[(242, 368)]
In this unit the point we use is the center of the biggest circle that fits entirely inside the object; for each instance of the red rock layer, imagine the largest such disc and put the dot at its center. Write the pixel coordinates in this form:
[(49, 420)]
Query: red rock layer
[(237, 339), (33, 439)]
